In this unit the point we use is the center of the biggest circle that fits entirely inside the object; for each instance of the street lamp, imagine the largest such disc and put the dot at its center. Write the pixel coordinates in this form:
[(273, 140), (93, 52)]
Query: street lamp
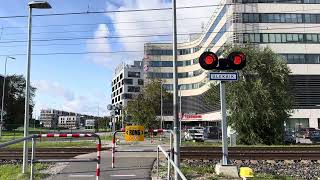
[(3, 90), (32, 5)]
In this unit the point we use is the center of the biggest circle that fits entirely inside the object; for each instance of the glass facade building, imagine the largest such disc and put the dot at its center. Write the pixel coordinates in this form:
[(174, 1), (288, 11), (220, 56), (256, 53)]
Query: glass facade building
[(288, 27)]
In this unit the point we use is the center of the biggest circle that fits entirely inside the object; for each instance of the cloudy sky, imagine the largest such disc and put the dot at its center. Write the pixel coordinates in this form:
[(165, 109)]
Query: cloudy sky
[(67, 76)]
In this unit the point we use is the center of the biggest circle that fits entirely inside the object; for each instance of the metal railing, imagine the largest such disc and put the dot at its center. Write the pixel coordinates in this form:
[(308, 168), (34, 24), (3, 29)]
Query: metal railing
[(170, 161), (33, 152), (150, 130)]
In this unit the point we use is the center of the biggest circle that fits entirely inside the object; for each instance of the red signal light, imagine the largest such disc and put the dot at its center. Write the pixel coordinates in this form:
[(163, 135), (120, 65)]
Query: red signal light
[(236, 60), (208, 60)]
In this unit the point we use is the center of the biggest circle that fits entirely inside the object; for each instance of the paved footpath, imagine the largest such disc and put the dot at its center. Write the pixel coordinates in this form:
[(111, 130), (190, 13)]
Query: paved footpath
[(127, 166)]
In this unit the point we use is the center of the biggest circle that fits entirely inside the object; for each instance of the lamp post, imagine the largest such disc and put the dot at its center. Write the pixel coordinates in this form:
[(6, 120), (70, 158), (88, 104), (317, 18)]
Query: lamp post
[(3, 91), (176, 127), (32, 5)]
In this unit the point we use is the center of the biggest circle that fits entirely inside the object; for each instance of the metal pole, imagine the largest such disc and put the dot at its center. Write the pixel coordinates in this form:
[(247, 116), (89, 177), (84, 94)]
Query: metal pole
[(33, 155), (26, 112), (161, 111), (170, 155), (3, 90), (113, 124), (176, 129), (180, 112), (157, 161), (224, 124)]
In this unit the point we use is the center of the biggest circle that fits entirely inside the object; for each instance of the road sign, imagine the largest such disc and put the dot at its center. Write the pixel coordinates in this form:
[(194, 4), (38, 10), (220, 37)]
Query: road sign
[(134, 133), (223, 76)]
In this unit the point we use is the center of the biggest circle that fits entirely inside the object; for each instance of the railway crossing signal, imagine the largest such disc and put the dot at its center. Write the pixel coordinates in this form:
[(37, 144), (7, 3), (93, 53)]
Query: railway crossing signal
[(234, 61)]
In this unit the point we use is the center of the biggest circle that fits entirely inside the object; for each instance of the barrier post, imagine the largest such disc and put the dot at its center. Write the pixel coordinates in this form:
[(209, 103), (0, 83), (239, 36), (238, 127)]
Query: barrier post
[(157, 161), (33, 153), (170, 156), (98, 158)]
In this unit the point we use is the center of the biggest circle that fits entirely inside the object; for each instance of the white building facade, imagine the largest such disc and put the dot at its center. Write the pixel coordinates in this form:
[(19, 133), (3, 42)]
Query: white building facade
[(288, 27), (127, 82), (69, 121)]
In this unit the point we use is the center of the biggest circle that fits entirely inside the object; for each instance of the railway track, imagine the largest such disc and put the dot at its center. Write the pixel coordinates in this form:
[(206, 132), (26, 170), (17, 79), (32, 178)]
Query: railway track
[(46, 153), (208, 153), (253, 153)]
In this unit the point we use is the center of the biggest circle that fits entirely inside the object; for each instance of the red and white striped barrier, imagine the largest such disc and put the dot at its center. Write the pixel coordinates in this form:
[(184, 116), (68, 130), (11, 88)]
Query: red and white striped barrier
[(78, 135)]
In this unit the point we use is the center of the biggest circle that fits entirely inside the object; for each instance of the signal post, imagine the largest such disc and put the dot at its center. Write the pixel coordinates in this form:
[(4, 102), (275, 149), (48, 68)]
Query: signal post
[(234, 61)]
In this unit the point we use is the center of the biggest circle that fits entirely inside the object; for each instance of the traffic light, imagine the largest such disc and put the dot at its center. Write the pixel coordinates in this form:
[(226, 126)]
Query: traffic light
[(234, 61)]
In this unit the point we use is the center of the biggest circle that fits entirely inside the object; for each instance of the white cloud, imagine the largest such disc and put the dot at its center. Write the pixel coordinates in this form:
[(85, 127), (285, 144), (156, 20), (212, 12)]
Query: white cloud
[(100, 45), (185, 25), (53, 89), (54, 95)]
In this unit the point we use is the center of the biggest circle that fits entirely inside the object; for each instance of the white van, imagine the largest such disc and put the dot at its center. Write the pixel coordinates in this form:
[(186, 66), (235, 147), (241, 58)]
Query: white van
[(194, 134)]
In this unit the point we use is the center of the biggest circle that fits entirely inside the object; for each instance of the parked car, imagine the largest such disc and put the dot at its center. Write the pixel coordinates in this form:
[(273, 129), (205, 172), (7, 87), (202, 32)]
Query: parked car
[(214, 132), (289, 138), (305, 132), (194, 134), (315, 136)]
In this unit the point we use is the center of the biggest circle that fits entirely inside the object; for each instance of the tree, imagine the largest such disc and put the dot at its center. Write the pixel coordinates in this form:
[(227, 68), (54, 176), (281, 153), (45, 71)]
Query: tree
[(260, 102), (15, 100), (145, 107), (102, 122)]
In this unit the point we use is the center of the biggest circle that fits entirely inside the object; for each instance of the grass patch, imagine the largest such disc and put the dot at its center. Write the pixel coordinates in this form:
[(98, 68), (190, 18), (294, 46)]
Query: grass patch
[(205, 143), (271, 177), (10, 171), (189, 170), (57, 144)]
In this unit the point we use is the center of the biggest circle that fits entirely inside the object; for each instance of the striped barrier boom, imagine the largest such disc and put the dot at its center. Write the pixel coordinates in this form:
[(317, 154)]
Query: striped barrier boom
[(79, 135)]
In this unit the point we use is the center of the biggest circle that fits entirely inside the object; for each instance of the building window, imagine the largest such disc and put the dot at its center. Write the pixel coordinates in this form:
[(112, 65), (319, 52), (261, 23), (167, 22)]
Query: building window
[(281, 38), (128, 81), (121, 75), (297, 123), (120, 90), (140, 81), (126, 96), (134, 74), (280, 18), (133, 89)]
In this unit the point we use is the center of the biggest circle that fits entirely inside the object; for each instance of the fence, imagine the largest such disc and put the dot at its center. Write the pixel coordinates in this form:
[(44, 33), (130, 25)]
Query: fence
[(149, 131), (169, 162), (33, 152)]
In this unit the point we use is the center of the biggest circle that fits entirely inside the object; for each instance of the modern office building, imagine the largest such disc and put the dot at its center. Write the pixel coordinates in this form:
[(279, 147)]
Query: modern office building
[(288, 27), (127, 82), (49, 118), (69, 121)]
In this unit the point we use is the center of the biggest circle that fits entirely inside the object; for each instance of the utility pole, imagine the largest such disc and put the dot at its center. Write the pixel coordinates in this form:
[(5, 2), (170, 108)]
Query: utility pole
[(176, 128)]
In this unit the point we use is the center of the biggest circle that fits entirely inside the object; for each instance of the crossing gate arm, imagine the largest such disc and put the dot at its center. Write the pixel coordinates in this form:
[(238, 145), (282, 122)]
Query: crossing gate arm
[(77, 135)]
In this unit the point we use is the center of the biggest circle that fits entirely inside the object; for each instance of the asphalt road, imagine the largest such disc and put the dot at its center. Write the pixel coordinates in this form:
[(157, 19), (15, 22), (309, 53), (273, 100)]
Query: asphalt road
[(127, 166)]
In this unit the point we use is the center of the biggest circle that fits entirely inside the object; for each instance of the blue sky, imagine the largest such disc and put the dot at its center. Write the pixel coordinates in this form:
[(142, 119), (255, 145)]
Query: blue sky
[(81, 83)]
